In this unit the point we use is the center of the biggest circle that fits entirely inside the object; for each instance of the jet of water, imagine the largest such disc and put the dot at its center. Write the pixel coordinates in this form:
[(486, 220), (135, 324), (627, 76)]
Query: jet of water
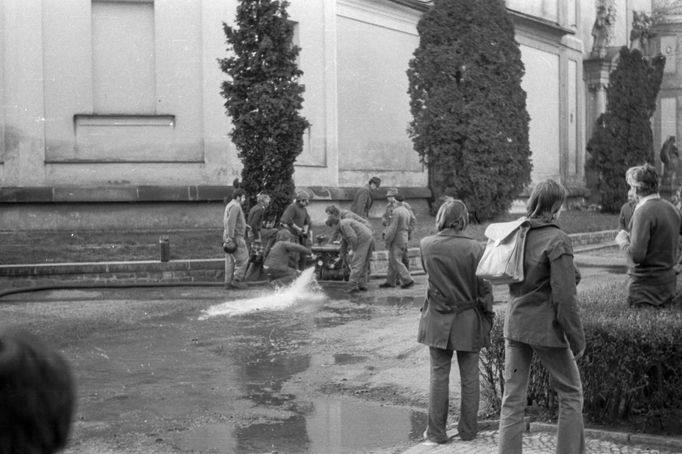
[(304, 288)]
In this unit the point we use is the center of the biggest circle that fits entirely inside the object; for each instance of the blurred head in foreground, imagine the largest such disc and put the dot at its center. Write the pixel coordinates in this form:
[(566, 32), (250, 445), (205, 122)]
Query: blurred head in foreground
[(37, 395)]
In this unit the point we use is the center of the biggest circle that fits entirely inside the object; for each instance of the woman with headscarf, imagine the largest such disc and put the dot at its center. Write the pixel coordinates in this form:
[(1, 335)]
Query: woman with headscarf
[(542, 319), (457, 316)]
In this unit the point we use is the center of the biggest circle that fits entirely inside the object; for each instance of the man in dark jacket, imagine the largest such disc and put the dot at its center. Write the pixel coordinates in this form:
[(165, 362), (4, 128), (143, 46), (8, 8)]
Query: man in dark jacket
[(396, 237), (363, 199), (297, 220), (277, 266), (457, 316), (357, 239)]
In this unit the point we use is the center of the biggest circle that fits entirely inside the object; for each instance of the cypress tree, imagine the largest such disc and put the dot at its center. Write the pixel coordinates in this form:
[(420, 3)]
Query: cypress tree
[(264, 98), (470, 124), (622, 136)]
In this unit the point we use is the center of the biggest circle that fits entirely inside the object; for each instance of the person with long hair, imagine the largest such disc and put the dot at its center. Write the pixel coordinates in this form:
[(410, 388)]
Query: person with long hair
[(457, 317), (542, 319)]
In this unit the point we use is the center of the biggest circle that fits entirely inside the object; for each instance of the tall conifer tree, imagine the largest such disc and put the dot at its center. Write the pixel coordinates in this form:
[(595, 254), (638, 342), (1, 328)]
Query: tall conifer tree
[(264, 98), (470, 124), (622, 136)]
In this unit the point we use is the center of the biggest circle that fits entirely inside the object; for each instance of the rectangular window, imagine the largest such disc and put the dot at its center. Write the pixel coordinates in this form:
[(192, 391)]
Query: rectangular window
[(123, 57), (545, 9)]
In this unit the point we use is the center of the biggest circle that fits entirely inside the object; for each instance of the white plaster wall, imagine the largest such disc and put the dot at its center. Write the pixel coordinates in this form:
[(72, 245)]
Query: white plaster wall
[(23, 93), (541, 83), (373, 103)]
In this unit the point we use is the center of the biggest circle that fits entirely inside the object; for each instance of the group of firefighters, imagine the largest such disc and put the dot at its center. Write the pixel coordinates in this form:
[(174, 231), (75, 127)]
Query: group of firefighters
[(280, 250)]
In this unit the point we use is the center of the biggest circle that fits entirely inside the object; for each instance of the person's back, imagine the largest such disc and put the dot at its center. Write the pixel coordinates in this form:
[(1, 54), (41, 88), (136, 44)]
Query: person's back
[(449, 260), (347, 214), (401, 219), (280, 255), (351, 229), (456, 317), (530, 315), (542, 320)]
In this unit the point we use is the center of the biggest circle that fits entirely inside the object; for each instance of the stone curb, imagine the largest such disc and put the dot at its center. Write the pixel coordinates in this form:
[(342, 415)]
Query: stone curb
[(209, 269), (618, 437)]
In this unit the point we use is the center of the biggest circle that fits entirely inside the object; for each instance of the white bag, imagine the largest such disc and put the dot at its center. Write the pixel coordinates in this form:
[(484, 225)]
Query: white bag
[(502, 261)]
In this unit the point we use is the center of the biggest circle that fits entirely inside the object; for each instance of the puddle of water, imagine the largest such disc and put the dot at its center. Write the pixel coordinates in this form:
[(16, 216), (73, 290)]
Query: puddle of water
[(346, 358), (331, 426)]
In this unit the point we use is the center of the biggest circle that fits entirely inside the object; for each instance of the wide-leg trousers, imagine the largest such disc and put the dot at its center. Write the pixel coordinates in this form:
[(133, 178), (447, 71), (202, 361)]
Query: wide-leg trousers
[(564, 378), (439, 394)]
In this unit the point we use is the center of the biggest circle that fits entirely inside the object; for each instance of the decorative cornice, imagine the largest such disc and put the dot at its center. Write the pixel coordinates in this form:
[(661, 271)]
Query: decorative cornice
[(420, 5)]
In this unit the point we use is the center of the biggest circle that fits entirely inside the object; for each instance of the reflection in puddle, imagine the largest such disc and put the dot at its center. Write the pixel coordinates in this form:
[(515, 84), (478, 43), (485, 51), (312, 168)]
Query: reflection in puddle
[(331, 426), (264, 344)]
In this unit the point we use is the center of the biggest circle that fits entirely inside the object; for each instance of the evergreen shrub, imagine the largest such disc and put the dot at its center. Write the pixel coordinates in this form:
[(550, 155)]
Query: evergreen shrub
[(469, 119), (631, 370), (622, 135), (264, 99)]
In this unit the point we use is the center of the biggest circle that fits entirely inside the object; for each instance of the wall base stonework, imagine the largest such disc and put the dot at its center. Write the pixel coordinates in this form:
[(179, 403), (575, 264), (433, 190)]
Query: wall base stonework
[(153, 207)]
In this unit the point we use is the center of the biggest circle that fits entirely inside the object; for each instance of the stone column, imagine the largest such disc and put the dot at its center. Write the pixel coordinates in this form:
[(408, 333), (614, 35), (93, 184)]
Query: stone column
[(596, 71)]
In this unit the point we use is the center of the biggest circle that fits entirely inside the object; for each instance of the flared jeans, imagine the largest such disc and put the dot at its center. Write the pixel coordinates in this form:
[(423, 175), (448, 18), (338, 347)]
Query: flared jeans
[(439, 394), (564, 378)]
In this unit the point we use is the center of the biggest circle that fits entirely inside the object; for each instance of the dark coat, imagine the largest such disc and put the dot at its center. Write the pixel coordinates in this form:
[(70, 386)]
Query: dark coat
[(362, 202), (544, 309), (450, 259)]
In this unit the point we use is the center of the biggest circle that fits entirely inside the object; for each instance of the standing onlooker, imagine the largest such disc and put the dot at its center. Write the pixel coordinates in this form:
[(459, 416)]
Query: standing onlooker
[(653, 241), (277, 266), (413, 223), (391, 202), (256, 219), (457, 316), (259, 227), (297, 220), (363, 199), (359, 242), (626, 211), (542, 319), (396, 237), (37, 395), (234, 225)]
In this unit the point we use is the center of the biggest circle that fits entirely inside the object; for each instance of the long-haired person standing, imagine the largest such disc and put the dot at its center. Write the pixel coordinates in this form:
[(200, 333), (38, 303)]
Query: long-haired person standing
[(542, 319), (456, 317)]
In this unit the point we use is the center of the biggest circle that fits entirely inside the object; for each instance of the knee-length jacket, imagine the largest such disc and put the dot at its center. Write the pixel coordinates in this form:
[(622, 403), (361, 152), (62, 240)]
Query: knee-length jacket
[(457, 313)]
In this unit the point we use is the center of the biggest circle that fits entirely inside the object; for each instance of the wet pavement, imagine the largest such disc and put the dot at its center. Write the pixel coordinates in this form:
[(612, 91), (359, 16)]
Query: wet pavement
[(542, 440), (155, 375)]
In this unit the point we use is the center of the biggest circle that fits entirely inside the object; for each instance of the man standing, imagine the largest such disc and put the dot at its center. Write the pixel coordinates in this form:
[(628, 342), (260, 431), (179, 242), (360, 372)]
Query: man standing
[(234, 225), (652, 244), (260, 228), (359, 243), (297, 220), (399, 198), (363, 200), (396, 237)]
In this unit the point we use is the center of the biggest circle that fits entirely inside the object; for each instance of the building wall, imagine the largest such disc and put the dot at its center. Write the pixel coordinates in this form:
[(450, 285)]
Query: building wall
[(113, 98)]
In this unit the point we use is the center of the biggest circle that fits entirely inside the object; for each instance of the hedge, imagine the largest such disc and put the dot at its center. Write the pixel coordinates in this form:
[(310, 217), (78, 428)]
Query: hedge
[(631, 370)]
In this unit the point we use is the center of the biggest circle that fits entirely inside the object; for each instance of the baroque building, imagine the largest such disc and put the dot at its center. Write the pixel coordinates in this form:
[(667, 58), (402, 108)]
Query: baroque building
[(112, 115)]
